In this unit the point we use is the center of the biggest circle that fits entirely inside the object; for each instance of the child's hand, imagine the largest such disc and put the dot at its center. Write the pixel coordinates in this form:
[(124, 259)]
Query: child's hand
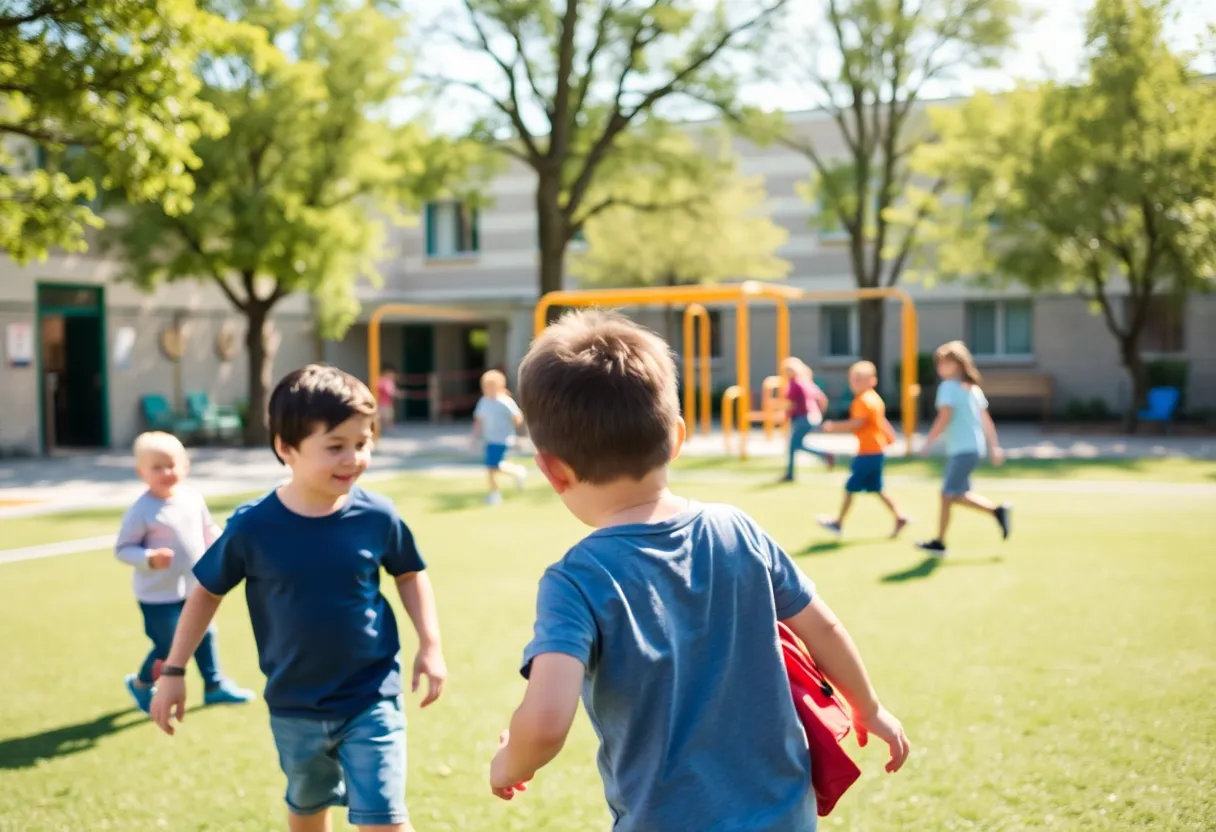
[(429, 663), (997, 456), (169, 702), (160, 558), (888, 729), (501, 786)]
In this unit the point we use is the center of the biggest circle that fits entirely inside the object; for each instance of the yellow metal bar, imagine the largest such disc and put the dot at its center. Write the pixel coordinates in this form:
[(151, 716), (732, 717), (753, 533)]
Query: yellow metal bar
[(783, 345), (693, 314), (729, 397), (743, 370), (411, 310)]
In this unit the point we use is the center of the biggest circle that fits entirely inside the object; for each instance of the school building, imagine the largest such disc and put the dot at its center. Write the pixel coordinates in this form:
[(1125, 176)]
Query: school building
[(81, 348)]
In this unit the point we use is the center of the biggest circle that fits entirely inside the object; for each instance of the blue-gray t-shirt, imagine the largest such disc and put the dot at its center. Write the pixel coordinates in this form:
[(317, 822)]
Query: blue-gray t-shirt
[(676, 623), (967, 403), (327, 638)]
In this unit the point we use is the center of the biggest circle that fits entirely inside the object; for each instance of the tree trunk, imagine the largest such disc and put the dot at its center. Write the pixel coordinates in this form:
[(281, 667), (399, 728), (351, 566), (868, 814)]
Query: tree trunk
[(870, 323), (1133, 362), (551, 229), (260, 360)]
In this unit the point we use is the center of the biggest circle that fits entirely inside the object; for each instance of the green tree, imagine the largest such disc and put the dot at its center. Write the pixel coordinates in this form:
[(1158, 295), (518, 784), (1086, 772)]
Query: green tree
[(712, 229), (572, 79), (115, 78), (295, 196), (1106, 188), (868, 66)]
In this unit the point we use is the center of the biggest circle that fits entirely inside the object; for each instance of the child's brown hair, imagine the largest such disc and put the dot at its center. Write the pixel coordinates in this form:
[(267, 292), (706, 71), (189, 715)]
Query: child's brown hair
[(599, 393), (957, 352)]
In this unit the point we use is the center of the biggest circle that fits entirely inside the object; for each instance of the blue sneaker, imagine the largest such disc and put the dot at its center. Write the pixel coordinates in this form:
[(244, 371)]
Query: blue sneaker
[(227, 693), (142, 696)]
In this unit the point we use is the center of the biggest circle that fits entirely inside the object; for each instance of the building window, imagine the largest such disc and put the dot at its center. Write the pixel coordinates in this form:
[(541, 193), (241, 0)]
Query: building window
[(451, 230), (1001, 328), (715, 333), (1163, 326), (840, 331)]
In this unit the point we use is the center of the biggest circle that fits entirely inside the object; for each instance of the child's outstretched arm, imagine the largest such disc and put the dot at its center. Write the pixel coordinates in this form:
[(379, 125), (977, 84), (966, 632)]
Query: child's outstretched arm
[(844, 426), (541, 723), (170, 698), (418, 598), (836, 655)]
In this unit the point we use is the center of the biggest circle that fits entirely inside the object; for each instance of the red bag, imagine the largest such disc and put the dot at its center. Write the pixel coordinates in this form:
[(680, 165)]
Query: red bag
[(825, 720)]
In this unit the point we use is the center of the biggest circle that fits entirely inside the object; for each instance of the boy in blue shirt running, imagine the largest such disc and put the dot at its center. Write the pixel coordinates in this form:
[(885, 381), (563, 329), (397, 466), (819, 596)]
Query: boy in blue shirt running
[(310, 553), (665, 617)]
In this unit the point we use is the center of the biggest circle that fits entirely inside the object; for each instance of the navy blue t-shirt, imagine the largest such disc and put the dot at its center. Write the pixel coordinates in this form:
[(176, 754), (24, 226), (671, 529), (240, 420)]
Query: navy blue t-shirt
[(327, 639)]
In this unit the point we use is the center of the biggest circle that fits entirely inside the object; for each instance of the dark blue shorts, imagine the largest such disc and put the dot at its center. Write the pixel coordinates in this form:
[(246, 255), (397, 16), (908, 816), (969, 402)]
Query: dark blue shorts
[(866, 474), (495, 454)]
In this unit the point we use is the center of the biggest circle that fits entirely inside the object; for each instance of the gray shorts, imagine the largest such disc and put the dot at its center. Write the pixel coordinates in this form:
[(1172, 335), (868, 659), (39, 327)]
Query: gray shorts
[(956, 479)]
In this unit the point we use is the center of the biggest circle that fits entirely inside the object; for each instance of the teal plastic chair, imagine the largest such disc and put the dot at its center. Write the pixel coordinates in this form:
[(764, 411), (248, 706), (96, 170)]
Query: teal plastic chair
[(216, 421), (159, 415)]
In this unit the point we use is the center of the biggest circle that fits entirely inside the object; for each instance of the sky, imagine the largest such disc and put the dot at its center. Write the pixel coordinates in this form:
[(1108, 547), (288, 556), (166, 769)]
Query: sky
[(1048, 46)]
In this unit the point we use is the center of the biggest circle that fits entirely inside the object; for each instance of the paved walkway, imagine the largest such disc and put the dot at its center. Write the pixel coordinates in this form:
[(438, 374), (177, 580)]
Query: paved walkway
[(105, 480)]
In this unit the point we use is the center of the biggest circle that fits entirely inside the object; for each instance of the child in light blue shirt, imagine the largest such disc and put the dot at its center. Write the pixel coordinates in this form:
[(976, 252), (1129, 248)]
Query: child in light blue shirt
[(665, 617), (963, 419), (495, 420)]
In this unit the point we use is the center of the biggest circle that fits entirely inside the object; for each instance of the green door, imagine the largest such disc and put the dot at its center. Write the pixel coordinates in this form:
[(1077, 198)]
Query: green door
[(416, 365), (72, 366)]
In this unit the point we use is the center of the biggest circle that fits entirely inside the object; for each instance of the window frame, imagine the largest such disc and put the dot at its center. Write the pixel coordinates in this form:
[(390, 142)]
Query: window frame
[(467, 229), (825, 340), (1001, 306)]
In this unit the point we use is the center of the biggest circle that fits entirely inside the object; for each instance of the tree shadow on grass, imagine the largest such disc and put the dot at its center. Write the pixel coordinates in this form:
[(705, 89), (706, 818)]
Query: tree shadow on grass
[(26, 752), (931, 564)]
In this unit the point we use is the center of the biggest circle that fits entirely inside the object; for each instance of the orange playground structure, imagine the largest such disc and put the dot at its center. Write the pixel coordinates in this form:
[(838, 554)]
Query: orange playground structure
[(737, 413)]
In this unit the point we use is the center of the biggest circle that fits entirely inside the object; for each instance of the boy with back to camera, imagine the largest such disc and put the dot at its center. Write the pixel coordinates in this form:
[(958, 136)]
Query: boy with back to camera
[(665, 617), (163, 534), (310, 553)]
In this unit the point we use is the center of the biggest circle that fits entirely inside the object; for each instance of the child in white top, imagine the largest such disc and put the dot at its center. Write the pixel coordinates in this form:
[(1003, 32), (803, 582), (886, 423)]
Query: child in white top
[(495, 420), (162, 535)]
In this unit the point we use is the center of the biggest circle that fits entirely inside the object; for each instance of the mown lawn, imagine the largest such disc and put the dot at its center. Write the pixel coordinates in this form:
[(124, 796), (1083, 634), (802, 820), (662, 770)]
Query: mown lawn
[(1062, 680)]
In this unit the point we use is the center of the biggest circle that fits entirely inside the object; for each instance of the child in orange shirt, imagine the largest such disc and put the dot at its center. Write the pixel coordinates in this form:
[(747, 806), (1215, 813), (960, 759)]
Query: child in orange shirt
[(868, 422)]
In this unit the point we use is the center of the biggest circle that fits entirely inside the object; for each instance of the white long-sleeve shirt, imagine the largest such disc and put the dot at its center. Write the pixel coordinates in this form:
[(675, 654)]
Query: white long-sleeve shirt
[(181, 523)]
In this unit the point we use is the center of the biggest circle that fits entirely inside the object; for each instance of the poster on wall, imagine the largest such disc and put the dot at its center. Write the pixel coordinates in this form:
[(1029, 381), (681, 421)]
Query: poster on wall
[(19, 344), (124, 347)]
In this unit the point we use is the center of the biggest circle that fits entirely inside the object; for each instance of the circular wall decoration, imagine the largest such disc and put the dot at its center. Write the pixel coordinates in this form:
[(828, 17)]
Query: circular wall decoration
[(173, 342), (227, 342)]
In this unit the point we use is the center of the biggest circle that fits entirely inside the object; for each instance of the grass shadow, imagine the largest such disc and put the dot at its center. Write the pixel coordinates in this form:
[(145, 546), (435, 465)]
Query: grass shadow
[(822, 547), (922, 570), (26, 752)]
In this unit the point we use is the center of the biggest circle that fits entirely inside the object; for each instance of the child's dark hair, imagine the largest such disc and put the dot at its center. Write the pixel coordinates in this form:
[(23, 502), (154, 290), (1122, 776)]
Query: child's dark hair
[(315, 396), (599, 393), (388, 368)]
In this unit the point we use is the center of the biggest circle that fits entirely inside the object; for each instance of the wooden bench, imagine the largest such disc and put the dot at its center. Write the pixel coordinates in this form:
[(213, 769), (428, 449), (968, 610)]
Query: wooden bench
[(1007, 384)]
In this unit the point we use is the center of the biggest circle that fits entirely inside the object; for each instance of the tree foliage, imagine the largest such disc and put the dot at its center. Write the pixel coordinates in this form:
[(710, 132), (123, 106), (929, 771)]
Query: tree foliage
[(868, 65), (114, 77), (1106, 188), (712, 230), (294, 198), (579, 82)]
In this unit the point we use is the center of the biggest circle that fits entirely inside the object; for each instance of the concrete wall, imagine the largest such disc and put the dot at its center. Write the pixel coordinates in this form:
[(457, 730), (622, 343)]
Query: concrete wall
[(18, 391)]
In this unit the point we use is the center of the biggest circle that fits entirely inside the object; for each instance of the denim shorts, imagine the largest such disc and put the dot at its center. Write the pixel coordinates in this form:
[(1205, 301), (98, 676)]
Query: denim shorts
[(866, 474), (357, 762), (956, 478)]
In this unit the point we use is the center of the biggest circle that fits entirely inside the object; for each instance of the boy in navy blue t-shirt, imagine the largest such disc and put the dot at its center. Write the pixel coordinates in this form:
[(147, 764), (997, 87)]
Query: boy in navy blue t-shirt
[(665, 617), (310, 554)]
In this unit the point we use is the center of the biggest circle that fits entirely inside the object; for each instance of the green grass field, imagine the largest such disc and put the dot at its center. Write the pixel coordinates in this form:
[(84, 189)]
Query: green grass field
[(1062, 680)]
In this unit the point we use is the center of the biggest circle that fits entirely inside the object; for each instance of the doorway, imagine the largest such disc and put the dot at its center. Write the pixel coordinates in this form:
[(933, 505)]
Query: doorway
[(416, 367), (72, 364)]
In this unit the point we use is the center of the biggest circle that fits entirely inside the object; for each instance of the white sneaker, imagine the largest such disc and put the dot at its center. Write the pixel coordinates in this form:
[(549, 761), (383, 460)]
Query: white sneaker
[(521, 479), (494, 498)]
